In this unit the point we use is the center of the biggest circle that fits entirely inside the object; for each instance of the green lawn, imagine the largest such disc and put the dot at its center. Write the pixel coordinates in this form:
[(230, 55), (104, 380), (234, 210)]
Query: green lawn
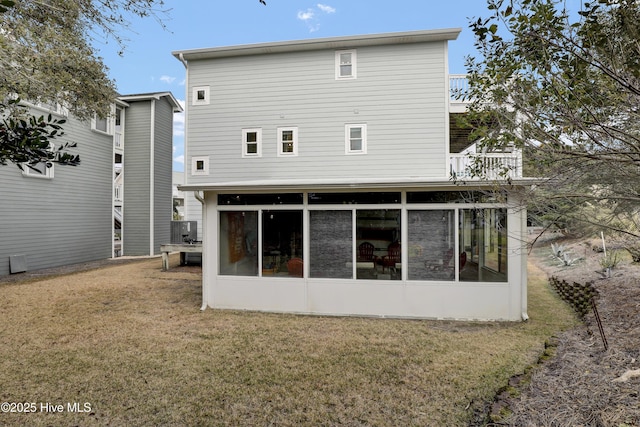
[(130, 342)]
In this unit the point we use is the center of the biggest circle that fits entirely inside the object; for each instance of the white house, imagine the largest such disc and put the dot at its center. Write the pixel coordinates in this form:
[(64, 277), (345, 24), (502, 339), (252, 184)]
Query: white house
[(326, 166)]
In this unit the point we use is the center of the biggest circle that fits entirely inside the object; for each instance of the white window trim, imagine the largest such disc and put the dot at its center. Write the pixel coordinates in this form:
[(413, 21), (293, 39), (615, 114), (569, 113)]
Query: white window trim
[(281, 152), (347, 138), (111, 122), (58, 110), (27, 171), (354, 63), (194, 165), (195, 100), (258, 132)]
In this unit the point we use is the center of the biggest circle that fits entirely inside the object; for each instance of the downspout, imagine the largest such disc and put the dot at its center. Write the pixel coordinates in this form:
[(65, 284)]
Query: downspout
[(184, 61), (198, 197)]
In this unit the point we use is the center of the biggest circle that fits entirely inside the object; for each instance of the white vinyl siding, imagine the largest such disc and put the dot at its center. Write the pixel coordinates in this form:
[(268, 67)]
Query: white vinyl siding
[(401, 93)]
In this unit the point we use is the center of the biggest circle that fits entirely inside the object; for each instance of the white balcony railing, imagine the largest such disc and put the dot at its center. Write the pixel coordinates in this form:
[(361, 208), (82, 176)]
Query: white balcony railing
[(458, 87), (491, 165)]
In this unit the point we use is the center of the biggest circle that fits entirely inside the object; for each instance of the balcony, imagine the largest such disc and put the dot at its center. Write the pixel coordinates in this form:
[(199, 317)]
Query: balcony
[(458, 89), (491, 166)]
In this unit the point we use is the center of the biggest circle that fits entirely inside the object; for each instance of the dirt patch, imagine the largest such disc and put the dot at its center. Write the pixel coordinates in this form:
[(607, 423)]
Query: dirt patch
[(45, 273), (578, 387)]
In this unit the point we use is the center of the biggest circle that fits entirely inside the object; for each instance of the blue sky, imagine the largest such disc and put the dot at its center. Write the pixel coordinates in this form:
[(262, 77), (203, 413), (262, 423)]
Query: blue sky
[(148, 66)]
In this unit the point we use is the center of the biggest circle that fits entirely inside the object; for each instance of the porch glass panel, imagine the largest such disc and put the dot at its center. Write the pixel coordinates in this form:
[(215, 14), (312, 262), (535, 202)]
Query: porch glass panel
[(238, 243), (431, 246), (331, 244), (282, 243), (483, 240), (378, 244)]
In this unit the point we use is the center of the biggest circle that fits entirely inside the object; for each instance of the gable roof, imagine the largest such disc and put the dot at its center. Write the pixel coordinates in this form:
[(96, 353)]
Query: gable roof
[(177, 108), (348, 42)]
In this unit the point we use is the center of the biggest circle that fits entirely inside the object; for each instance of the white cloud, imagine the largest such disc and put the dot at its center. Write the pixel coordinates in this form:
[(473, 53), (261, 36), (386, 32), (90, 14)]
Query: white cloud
[(167, 79), (178, 121), (306, 16), (178, 136), (311, 18), (326, 8)]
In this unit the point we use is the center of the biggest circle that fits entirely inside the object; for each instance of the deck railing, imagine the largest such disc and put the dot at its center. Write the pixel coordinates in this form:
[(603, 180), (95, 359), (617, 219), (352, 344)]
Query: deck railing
[(458, 87), (487, 166)]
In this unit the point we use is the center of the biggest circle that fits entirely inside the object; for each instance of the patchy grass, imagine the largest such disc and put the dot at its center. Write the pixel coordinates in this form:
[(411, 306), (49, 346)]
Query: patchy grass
[(130, 341)]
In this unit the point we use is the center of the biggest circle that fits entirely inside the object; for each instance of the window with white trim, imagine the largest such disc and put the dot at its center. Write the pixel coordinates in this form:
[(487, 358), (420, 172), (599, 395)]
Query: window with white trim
[(200, 95), (104, 125), (345, 64), (39, 170), (252, 142), (356, 139), (288, 141), (52, 107), (200, 165)]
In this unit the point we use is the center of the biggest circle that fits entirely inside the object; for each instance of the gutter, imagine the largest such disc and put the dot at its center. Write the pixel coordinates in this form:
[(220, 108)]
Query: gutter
[(181, 59)]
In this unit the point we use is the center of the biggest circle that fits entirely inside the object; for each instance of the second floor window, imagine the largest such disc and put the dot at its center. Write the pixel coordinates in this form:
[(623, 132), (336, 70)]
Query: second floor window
[(252, 142), (39, 170), (101, 124), (104, 124), (356, 139), (287, 141), (345, 64)]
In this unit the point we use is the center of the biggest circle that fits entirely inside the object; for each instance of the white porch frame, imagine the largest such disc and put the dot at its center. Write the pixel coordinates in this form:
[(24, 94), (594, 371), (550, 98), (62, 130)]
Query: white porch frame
[(387, 298)]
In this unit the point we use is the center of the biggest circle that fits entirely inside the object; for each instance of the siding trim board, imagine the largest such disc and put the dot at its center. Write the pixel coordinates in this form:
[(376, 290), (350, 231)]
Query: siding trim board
[(152, 155), (345, 184)]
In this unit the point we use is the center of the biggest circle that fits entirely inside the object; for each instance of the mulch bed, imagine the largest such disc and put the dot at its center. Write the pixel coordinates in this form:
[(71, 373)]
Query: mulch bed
[(578, 386)]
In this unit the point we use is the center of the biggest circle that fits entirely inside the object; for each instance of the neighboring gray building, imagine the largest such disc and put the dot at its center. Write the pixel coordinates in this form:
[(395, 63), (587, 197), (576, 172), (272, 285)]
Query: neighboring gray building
[(147, 168), (67, 214), (325, 167)]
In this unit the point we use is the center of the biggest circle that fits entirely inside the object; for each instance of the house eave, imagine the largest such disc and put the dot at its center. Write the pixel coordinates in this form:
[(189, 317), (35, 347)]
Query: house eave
[(340, 184), (177, 108), (349, 42)]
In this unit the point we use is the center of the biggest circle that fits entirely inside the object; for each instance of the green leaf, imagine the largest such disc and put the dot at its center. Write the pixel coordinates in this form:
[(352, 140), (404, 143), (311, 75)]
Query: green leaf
[(5, 5)]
